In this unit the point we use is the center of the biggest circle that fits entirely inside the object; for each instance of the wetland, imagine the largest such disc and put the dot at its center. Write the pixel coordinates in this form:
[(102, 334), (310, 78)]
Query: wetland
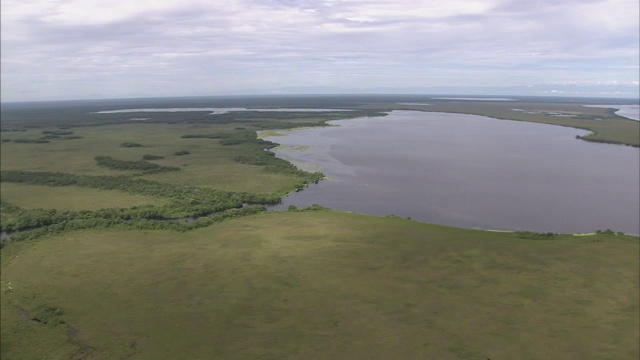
[(145, 234)]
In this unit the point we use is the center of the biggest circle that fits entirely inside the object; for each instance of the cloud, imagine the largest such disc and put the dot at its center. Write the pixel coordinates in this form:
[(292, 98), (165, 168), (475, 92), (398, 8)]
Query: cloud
[(71, 48)]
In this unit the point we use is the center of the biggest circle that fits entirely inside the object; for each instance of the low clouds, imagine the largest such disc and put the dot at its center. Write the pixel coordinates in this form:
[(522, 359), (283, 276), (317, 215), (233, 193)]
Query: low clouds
[(94, 48)]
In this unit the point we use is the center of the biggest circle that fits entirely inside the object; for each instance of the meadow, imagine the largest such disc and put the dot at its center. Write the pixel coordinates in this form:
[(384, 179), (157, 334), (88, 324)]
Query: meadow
[(70, 198), (319, 285), (114, 271), (208, 163)]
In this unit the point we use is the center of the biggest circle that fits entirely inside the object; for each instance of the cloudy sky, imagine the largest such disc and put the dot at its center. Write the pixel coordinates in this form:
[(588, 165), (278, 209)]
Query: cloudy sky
[(81, 49)]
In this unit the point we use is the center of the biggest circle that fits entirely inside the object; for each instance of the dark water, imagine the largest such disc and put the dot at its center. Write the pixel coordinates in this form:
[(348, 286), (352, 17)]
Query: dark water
[(470, 171)]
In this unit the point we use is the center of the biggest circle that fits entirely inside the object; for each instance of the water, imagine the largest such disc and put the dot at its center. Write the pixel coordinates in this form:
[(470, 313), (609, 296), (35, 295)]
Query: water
[(469, 171)]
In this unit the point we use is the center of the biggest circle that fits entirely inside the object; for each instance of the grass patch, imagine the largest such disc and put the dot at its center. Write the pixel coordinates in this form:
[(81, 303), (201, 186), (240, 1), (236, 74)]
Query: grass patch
[(71, 197), (209, 163)]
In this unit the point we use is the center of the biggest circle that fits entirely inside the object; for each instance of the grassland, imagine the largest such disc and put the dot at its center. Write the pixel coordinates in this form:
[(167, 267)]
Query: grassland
[(70, 198), (209, 164), (322, 285)]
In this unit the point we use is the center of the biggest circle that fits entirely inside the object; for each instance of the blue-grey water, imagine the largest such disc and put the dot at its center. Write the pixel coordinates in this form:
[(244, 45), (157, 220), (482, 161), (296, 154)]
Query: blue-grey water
[(469, 171)]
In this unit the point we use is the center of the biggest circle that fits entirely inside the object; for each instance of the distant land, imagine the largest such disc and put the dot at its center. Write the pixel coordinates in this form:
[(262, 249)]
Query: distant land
[(609, 91), (547, 90)]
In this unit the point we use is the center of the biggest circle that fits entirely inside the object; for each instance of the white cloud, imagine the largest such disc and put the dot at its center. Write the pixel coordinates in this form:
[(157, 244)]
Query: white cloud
[(228, 45)]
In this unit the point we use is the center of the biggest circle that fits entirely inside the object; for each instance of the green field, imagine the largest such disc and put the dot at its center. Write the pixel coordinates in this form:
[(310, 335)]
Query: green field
[(113, 270), (322, 285), (70, 198), (209, 163)]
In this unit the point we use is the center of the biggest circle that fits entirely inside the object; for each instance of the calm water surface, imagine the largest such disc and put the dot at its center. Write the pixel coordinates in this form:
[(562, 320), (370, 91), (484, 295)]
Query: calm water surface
[(469, 171)]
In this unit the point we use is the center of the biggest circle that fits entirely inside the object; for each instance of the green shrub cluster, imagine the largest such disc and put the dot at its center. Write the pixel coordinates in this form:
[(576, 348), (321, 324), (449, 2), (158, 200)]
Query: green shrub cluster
[(141, 165), (227, 138), (313, 207), (30, 141), (185, 201), (610, 232), (130, 144), (57, 132), (535, 235), (94, 221), (48, 315), (275, 165), (7, 207), (152, 157)]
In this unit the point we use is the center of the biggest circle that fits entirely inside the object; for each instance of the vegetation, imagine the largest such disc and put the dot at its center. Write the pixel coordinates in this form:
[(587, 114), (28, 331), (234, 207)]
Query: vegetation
[(321, 285), (57, 132), (130, 144), (184, 202), (141, 165), (30, 141), (152, 157), (71, 197)]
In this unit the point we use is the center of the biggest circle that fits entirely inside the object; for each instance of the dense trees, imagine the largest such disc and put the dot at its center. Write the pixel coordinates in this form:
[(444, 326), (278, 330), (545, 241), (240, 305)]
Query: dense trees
[(51, 222), (184, 201)]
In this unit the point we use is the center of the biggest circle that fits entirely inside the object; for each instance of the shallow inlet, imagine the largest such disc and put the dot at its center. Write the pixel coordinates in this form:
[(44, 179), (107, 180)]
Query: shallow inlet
[(468, 171)]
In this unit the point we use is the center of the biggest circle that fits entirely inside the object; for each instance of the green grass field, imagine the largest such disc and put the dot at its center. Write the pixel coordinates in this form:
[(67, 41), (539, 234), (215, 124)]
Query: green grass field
[(70, 198), (209, 163), (322, 285)]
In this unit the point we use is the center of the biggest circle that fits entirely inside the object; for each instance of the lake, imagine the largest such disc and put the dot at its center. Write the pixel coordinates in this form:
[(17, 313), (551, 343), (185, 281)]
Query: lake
[(468, 171)]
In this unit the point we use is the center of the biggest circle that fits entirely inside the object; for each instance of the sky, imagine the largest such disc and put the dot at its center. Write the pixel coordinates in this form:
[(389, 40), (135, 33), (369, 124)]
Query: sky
[(90, 49)]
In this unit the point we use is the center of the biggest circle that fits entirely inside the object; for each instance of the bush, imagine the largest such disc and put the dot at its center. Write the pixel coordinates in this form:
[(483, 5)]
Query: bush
[(30, 141), (130, 144), (535, 235), (47, 314), (115, 164), (182, 152), (152, 157), (57, 132)]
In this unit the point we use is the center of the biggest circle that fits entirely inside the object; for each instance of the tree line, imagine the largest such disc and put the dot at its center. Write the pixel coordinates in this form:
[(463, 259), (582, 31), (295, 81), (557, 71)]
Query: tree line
[(139, 165)]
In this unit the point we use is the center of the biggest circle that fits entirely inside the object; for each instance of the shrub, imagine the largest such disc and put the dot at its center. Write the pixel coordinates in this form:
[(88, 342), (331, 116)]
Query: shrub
[(152, 157)]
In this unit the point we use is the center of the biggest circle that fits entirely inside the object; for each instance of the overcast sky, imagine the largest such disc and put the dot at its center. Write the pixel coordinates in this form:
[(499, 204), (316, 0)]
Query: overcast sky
[(80, 49)]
